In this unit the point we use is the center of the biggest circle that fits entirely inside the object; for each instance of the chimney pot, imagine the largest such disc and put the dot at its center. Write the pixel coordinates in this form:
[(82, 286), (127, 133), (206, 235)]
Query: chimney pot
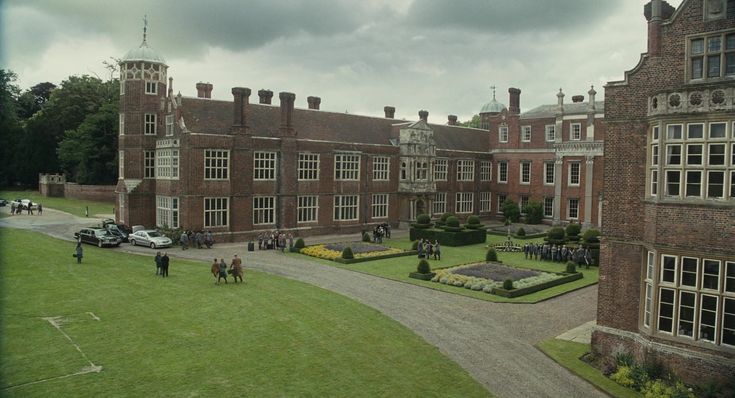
[(577, 98), (314, 102), (452, 120), (265, 96), (287, 101), (208, 90), (424, 115), (240, 96), (514, 103), (390, 112), (201, 89)]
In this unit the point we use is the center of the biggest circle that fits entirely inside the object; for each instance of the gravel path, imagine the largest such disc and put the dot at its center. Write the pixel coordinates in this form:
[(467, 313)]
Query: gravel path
[(492, 341)]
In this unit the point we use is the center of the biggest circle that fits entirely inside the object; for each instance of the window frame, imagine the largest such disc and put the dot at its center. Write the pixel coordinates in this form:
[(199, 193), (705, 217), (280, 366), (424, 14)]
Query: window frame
[(219, 213), (572, 179), (307, 212), (150, 123), (308, 166), (381, 168), (264, 210), (347, 166), (216, 164), (264, 165), (441, 169), (526, 133), (572, 131), (341, 209), (503, 172), (379, 204), (550, 132)]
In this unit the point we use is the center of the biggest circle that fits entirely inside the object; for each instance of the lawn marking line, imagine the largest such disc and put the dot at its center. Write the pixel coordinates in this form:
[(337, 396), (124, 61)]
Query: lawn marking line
[(95, 317), (57, 321)]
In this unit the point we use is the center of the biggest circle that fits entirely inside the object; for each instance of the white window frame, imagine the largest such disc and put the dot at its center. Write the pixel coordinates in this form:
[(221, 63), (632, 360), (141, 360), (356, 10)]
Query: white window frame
[(525, 175), (441, 167), (499, 199), (486, 202), (440, 203), (121, 165), (673, 130), (264, 210), (151, 87), (549, 204), (666, 184), (550, 132), (709, 184), (549, 167), (381, 168), (216, 164), (693, 321), (167, 164), (464, 202), (486, 171), (575, 176), (121, 126), (503, 133), (169, 125), (149, 164), (167, 211), (688, 183), (465, 170), (701, 311), (346, 207), (264, 166), (216, 212), (654, 183), (575, 131), (648, 303), (675, 271), (573, 207), (347, 167), (503, 172), (523, 203), (673, 310), (682, 272), (726, 314), (705, 274), (308, 164), (379, 205), (150, 122), (308, 209), (421, 170), (525, 133)]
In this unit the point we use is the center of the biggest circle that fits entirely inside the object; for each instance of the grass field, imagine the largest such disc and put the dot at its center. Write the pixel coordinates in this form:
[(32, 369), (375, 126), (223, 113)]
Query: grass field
[(568, 354), (186, 336), (398, 269), (72, 206)]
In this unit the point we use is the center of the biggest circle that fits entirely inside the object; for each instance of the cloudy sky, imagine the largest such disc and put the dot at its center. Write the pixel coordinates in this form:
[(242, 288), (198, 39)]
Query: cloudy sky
[(358, 56)]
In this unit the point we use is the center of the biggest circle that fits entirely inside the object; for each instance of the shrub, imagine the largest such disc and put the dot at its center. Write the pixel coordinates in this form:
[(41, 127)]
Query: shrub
[(415, 245), (555, 236), (347, 253), (571, 267), (622, 376), (639, 376), (491, 255), (623, 358), (424, 267), (661, 389), (521, 232), (452, 221), (366, 237), (534, 212), (591, 236), (423, 219), (473, 220), (508, 284), (510, 211), (299, 243), (446, 216), (573, 229)]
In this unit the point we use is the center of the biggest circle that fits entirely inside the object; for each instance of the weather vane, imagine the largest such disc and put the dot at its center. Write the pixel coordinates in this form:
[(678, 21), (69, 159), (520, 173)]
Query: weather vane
[(493, 88), (145, 25)]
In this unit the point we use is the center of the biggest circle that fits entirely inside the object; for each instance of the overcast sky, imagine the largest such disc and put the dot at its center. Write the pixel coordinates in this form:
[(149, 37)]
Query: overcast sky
[(358, 56)]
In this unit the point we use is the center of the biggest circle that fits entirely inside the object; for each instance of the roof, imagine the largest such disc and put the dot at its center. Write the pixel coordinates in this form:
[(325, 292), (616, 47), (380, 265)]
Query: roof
[(209, 116), (492, 107), (143, 53), (574, 108)]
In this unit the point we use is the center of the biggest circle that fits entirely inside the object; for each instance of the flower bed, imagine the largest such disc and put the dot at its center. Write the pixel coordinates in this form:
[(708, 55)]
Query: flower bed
[(361, 251), (489, 277)]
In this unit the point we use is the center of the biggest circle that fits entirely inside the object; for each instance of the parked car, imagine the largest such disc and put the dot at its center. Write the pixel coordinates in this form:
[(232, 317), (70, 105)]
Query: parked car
[(149, 237), (120, 230), (24, 203), (3, 202), (97, 236)]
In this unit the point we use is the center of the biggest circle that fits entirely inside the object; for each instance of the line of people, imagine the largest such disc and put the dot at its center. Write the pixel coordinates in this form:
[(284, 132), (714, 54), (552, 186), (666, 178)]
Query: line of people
[(426, 249), (17, 208), (381, 231), (200, 239), (557, 253), (219, 269), (275, 240)]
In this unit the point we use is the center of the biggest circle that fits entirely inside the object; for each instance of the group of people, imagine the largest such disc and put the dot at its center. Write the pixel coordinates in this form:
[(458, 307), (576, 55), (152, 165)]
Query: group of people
[(426, 249), (17, 208), (381, 231), (275, 240), (162, 264), (199, 239), (557, 253), (219, 269)]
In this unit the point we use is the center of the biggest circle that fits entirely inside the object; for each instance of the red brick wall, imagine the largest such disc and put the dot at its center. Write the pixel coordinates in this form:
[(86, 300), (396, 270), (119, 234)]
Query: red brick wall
[(100, 193)]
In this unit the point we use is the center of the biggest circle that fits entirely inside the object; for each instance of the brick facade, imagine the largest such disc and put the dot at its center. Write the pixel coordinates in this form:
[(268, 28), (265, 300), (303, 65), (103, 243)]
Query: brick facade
[(667, 273)]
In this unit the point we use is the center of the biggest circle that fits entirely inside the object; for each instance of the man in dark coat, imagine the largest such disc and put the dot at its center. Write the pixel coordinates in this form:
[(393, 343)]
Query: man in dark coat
[(158, 263), (164, 265)]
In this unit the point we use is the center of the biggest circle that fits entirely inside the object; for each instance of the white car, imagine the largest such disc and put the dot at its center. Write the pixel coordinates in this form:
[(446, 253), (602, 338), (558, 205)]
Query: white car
[(149, 237)]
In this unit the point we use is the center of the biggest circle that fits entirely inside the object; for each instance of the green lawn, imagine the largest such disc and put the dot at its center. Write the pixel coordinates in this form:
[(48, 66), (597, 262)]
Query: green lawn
[(398, 268), (72, 206), (568, 354), (186, 336)]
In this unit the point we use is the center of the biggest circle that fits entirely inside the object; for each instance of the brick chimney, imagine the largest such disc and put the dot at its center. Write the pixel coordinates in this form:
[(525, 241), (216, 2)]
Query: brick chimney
[(240, 96), (208, 90), (424, 115), (577, 98), (514, 101), (314, 102), (592, 92), (265, 96), (204, 90), (452, 120), (654, 29), (287, 101), (390, 112)]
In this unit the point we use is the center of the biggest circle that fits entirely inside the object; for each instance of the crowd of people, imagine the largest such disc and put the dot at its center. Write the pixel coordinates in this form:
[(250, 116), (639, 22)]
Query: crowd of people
[(557, 253), (219, 269), (200, 239), (381, 231), (18, 208), (275, 240), (427, 250)]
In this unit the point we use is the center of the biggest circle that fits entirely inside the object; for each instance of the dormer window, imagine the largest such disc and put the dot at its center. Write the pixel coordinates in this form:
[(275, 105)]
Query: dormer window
[(712, 56)]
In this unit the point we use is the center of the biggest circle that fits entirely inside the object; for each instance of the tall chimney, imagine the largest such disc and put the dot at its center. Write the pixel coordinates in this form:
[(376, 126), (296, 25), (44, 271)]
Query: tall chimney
[(390, 112), (452, 120), (201, 88), (314, 102), (654, 29), (208, 90), (591, 93), (560, 101), (240, 96), (265, 96), (514, 105), (287, 100), (424, 115)]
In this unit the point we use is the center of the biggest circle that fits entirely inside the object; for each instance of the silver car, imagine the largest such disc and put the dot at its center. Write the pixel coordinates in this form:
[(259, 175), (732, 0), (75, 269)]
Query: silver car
[(149, 237)]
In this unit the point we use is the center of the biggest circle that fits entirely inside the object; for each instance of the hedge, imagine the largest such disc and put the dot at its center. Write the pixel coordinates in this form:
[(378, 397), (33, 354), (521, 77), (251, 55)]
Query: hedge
[(447, 238), (381, 257), (535, 288), (514, 236)]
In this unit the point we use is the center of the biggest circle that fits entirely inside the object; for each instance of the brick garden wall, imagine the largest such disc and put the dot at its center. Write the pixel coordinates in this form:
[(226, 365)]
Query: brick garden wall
[(99, 193)]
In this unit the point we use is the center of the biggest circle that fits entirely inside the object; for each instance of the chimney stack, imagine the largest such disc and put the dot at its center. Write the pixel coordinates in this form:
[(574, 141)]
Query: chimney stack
[(208, 90), (287, 101), (200, 89), (390, 112), (514, 105), (592, 93), (654, 29), (314, 102), (424, 115), (240, 96), (452, 120), (577, 98), (265, 96), (560, 101)]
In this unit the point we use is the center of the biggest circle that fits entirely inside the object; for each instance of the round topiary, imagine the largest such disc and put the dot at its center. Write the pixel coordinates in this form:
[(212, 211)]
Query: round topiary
[(445, 216), (473, 220), (299, 243), (424, 267), (423, 219), (573, 230), (571, 267), (521, 232), (415, 245), (591, 236), (347, 253), (366, 237), (491, 255), (453, 222), (556, 236), (508, 284)]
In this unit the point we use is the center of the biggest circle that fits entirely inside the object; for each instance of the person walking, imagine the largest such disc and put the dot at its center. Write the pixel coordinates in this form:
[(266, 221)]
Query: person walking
[(184, 240), (199, 239), (79, 252), (30, 208), (40, 209), (214, 269), (236, 268), (222, 271), (158, 263), (164, 265), (209, 239)]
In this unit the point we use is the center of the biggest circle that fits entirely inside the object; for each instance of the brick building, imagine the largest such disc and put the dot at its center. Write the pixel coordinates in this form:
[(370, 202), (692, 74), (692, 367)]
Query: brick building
[(239, 167), (667, 274)]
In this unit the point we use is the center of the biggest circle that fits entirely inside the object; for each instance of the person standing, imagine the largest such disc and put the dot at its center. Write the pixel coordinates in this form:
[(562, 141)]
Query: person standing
[(158, 263), (86, 211), (199, 239), (30, 208), (222, 270), (79, 252), (236, 268), (164, 265), (40, 209), (437, 250), (184, 240)]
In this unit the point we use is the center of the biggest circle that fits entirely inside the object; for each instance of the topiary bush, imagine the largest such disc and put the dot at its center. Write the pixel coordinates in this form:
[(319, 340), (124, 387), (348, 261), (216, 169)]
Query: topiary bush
[(571, 267), (491, 255), (508, 284), (521, 232), (423, 267), (415, 245), (445, 216), (573, 231), (591, 236), (366, 237), (556, 236), (347, 253), (510, 211), (423, 219), (452, 222), (473, 220), (299, 243), (534, 212)]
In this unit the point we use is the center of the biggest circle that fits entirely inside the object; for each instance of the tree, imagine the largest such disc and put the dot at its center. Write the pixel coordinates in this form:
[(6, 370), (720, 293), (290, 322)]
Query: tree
[(510, 211), (474, 122), (10, 127), (534, 212), (32, 100)]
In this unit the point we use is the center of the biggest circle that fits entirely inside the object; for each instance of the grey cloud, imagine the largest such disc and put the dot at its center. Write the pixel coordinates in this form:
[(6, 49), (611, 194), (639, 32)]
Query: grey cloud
[(509, 16)]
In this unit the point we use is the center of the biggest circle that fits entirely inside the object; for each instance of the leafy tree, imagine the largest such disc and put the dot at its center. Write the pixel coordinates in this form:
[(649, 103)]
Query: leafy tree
[(510, 211), (32, 100), (474, 122), (10, 127), (89, 152), (534, 212)]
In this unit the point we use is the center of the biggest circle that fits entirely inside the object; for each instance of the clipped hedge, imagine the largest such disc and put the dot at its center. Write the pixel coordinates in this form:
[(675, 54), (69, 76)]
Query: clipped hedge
[(461, 237), (516, 236), (299, 243), (535, 288), (381, 257)]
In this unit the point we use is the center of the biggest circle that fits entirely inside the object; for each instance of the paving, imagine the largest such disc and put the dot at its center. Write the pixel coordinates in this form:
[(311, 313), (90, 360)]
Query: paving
[(493, 342)]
